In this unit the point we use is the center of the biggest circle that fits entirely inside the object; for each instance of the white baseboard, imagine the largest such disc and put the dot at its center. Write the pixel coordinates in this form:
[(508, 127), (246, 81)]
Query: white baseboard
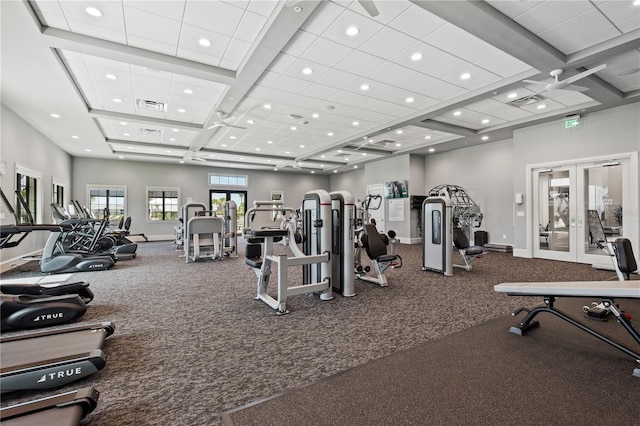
[(137, 239), (521, 253), (405, 240)]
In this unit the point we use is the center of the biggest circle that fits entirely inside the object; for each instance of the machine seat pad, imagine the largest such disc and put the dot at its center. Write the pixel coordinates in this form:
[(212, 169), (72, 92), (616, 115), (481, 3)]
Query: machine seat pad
[(474, 251), (254, 263), (387, 258)]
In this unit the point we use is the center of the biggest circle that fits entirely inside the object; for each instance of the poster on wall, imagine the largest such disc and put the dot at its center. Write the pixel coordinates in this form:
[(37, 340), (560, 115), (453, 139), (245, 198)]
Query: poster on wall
[(396, 189), (396, 210)]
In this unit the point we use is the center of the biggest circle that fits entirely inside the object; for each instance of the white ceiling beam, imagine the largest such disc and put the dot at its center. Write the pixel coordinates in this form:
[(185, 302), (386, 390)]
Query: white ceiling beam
[(112, 115), (75, 42)]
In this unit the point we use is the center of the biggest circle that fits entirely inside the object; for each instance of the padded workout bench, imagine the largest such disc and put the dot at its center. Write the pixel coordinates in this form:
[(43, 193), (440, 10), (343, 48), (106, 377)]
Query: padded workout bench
[(263, 270), (607, 291)]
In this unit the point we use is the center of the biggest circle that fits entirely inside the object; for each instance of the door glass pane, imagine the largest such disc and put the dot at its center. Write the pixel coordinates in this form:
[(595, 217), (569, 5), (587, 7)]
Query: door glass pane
[(554, 211), (240, 199), (603, 205), (218, 199)]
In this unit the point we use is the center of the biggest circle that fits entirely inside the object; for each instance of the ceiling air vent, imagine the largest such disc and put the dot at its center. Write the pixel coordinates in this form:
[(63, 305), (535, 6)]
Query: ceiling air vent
[(149, 132), (526, 100), (151, 105)]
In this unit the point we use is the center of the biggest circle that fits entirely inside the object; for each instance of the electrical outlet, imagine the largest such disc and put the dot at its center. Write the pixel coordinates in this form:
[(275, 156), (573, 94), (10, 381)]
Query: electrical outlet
[(504, 236)]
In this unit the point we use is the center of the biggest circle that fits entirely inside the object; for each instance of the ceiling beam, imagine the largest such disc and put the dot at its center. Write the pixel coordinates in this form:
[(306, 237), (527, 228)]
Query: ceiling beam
[(112, 115), (279, 31), (88, 45)]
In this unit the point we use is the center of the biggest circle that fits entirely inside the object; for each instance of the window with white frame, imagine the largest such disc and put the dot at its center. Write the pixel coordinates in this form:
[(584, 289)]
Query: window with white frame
[(28, 186), (107, 198), (162, 203), (228, 180)]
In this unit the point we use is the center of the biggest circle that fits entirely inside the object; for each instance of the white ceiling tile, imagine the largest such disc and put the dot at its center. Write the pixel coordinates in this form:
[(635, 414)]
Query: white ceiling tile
[(282, 62), (152, 45), (389, 10), (413, 80), (337, 30), (290, 84), (325, 14), (513, 8), (549, 105), (428, 52), (320, 91), (326, 52), (263, 7), (571, 45), (338, 79), (578, 27), (622, 14), (502, 64), (448, 37), (387, 42), (115, 35), (441, 90), (237, 50), (417, 22), (551, 13), (474, 50), (53, 20), (568, 97), (388, 71), (359, 63), (150, 72), (317, 70), (250, 26), (151, 26), (147, 83), (189, 42), (299, 43), (111, 22), (268, 78), (222, 17), (173, 9)]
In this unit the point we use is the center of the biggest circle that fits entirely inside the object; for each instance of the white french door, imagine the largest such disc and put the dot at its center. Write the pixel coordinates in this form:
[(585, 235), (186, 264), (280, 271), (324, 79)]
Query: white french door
[(565, 196)]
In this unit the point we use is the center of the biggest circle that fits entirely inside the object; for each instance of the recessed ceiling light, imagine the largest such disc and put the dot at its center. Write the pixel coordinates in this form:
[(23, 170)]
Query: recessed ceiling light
[(168, 151), (93, 11), (355, 167), (364, 154), (287, 152), (485, 121), (126, 134), (257, 149), (307, 71), (301, 146), (267, 106), (172, 139), (315, 115), (232, 137), (293, 128), (111, 76), (364, 87), (330, 134), (355, 123), (432, 149), (75, 137), (322, 156), (416, 56), (427, 137), (313, 172), (485, 138), (636, 3), (224, 145), (465, 76), (124, 123), (399, 132), (541, 106), (88, 150), (339, 151), (175, 130), (188, 91), (182, 110), (352, 31), (269, 142), (116, 100), (129, 147), (55, 115), (409, 100), (398, 144), (251, 121), (457, 113), (512, 95), (335, 171), (120, 157), (204, 42)]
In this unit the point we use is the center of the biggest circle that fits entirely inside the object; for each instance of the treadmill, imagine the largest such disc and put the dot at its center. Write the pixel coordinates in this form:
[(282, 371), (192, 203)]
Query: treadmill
[(52, 358), (66, 409)]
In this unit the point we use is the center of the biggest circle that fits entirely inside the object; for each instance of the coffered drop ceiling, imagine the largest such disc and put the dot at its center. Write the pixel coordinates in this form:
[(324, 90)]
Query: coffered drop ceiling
[(317, 86)]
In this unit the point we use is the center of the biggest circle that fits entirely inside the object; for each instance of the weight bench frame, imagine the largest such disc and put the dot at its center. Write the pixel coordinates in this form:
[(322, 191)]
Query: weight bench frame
[(606, 290)]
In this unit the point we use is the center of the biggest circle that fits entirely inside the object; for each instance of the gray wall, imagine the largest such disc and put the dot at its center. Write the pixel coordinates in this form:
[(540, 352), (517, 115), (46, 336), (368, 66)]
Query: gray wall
[(486, 173), (22, 144), (352, 182), (192, 181)]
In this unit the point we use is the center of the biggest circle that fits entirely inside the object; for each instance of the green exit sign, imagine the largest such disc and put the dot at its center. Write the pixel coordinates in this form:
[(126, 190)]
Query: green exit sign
[(572, 122)]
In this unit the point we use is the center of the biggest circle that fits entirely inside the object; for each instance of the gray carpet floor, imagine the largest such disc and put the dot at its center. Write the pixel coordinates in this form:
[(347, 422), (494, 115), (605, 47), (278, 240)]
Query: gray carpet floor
[(191, 342)]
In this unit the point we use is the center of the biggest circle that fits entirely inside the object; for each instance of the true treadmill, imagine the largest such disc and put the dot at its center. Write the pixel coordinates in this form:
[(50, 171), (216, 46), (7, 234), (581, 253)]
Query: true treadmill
[(66, 409), (52, 358)]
